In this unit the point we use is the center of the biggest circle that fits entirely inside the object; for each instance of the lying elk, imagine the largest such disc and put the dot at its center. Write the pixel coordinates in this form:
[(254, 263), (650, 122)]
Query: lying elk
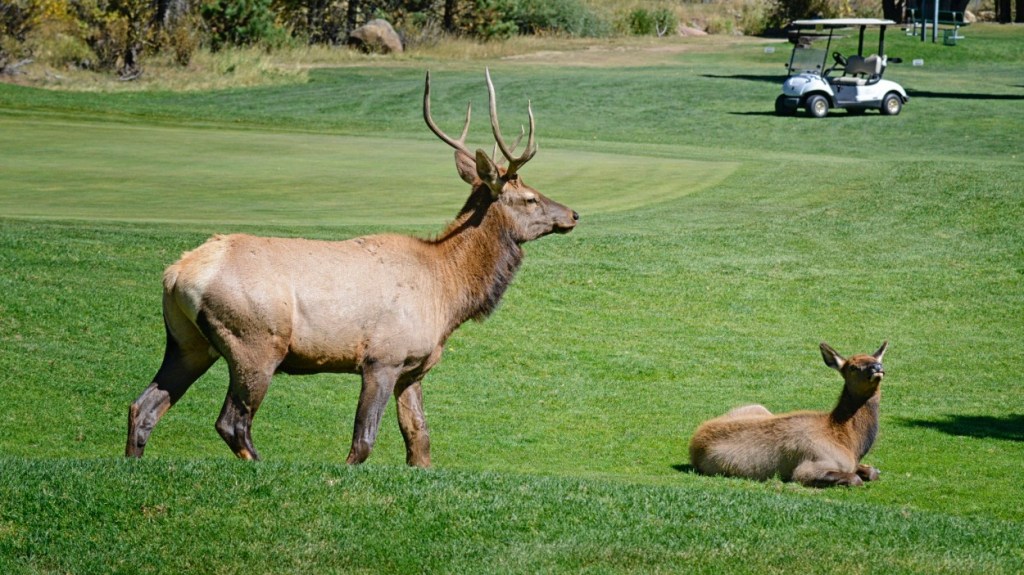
[(817, 449), (381, 306)]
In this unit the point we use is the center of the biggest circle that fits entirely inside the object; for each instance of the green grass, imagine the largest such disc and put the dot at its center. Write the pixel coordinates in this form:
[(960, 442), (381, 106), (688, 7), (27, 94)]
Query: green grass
[(718, 245)]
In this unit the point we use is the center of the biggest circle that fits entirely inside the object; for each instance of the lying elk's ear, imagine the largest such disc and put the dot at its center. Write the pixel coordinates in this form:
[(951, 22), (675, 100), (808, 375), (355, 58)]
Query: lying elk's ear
[(488, 172), (466, 167), (831, 357), (881, 351)]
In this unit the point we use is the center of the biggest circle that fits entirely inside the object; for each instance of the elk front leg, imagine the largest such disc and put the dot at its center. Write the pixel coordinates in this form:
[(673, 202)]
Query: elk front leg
[(413, 424), (378, 383), (245, 394)]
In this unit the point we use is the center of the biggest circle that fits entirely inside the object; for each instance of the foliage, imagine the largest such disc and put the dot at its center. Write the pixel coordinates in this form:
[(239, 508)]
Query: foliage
[(569, 17), (14, 26), (495, 19), (490, 19), (240, 23), (643, 22), (315, 21), (121, 34), (785, 11)]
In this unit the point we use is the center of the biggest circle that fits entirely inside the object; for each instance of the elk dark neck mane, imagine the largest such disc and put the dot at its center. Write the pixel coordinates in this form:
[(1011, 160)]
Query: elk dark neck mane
[(861, 415), (479, 257)]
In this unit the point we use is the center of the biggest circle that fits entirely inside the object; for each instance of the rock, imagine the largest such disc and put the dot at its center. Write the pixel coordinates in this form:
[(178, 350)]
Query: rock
[(684, 30), (376, 36)]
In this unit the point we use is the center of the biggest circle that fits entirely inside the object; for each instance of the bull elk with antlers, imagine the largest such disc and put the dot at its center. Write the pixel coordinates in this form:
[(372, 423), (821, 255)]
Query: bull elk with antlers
[(381, 306)]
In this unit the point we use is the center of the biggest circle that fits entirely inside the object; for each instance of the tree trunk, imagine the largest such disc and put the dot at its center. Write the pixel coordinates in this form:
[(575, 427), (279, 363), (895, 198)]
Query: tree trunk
[(449, 16), (353, 15), (893, 10), (1003, 11), (167, 11)]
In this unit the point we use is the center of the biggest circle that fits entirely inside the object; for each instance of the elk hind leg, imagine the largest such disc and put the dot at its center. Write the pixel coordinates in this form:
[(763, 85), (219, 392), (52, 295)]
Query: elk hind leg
[(754, 410), (181, 367), (867, 473), (413, 423), (246, 391), (818, 474)]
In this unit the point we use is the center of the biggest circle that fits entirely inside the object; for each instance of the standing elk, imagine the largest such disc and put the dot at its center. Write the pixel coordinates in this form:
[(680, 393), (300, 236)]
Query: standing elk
[(817, 449), (381, 306)]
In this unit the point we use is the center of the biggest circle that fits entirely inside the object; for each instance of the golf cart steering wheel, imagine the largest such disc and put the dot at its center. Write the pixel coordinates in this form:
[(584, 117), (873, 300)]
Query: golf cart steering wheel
[(839, 58)]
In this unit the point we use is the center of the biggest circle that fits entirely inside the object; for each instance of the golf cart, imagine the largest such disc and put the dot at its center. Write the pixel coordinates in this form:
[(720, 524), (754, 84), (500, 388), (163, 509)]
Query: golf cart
[(853, 82)]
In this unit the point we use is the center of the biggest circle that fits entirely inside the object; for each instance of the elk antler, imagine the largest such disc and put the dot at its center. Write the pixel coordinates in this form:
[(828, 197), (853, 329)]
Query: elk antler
[(460, 144), (531, 147), (494, 152)]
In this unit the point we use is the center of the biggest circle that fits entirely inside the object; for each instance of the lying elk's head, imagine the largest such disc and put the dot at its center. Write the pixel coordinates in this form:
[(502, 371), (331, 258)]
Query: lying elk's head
[(533, 214), (862, 373)]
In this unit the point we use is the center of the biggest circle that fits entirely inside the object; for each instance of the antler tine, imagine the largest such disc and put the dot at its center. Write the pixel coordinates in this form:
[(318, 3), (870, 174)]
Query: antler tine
[(519, 138), (531, 146), (460, 144)]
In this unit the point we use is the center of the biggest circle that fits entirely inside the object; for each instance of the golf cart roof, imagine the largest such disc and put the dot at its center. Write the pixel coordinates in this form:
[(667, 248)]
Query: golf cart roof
[(841, 22)]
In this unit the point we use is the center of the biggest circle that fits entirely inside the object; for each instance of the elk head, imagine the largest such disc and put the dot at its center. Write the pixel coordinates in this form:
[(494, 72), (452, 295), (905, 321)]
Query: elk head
[(531, 213), (862, 373)]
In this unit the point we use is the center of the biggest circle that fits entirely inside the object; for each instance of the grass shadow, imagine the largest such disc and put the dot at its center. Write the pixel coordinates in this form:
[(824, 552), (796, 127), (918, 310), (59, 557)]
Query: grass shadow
[(684, 468), (1009, 428), (962, 96), (772, 78)]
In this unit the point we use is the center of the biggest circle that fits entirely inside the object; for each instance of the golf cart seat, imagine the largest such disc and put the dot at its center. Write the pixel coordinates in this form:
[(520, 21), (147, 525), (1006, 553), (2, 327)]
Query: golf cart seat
[(860, 71)]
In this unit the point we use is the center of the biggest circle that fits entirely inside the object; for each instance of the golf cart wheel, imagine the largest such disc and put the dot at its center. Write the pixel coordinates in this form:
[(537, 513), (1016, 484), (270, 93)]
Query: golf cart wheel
[(817, 106), (892, 104), (783, 109)]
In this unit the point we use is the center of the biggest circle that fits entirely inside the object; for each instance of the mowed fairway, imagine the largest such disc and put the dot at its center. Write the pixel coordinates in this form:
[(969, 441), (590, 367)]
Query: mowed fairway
[(718, 244)]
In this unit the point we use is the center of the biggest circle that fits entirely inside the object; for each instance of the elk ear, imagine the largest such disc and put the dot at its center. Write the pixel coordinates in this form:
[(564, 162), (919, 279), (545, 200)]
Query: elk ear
[(881, 351), (488, 172), (831, 357), (466, 167)]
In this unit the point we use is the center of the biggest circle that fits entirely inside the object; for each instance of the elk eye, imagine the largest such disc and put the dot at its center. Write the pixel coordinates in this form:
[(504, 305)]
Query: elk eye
[(531, 200)]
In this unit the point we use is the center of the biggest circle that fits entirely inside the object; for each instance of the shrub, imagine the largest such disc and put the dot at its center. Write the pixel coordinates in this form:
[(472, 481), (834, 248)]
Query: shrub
[(785, 11), (121, 33), (182, 37), (568, 17), (489, 19), (643, 22), (56, 35), (240, 23), (14, 26)]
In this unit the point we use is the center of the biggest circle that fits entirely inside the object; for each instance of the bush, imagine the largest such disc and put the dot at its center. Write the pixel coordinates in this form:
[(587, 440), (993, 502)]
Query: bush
[(121, 34), (489, 20), (240, 23), (14, 27), (643, 22), (785, 11), (182, 37), (568, 17)]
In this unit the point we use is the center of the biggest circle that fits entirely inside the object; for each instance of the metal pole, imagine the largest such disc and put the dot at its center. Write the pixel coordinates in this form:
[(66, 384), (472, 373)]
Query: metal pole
[(935, 22), (924, 19)]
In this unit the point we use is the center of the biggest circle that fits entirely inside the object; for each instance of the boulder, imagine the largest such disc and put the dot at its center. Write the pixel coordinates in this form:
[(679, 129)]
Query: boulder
[(376, 36)]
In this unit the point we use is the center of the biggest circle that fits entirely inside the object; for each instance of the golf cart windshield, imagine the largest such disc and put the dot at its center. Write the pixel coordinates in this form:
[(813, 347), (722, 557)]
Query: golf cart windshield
[(807, 57)]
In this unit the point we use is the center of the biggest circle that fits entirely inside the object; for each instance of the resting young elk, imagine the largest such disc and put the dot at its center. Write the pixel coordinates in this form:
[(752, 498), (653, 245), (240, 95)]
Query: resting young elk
[(381, 306), (817, 449)]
